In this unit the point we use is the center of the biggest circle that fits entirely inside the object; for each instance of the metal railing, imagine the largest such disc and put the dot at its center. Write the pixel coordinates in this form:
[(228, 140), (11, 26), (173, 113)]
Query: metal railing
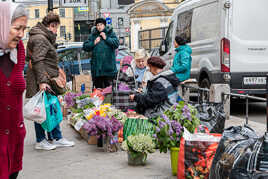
[(225, 96)]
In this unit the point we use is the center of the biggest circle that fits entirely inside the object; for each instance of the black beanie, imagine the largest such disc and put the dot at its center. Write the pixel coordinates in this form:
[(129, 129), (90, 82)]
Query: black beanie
[(100, 20), (181, 40)]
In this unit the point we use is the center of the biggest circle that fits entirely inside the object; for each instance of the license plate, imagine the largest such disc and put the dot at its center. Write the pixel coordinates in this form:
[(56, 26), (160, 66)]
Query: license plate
[(254, 80)]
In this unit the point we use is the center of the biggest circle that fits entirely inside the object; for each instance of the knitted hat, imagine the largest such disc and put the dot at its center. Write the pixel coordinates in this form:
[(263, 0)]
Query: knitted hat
[(100, 20), (181, 40)]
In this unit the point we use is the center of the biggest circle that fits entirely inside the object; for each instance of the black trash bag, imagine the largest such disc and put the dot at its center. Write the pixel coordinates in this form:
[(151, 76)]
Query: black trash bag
[(212, 116), (237, 154)]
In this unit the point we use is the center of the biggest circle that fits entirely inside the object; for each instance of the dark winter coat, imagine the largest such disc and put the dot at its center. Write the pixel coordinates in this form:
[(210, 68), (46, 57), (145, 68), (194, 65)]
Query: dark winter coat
[(182, 62), (161, 94), (103, 54), (12, 129), (43, 55)]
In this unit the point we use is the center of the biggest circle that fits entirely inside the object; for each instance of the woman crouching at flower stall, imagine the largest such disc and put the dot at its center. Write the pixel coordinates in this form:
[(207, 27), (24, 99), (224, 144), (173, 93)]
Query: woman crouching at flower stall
[(161, 92)]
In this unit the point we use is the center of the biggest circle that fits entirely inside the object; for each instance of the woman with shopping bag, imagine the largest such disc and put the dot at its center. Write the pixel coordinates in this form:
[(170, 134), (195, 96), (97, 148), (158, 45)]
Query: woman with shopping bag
[(13, 22), (43, 69)]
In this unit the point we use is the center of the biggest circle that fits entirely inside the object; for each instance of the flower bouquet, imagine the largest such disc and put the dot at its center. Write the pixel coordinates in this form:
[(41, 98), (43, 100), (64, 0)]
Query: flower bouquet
[(106, 128), (70, 97), (138, 146), (169, 129), (185, 114)]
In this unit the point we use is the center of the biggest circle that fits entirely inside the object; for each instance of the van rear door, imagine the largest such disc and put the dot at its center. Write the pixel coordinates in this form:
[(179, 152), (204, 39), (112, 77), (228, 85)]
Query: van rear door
[(248, 44)]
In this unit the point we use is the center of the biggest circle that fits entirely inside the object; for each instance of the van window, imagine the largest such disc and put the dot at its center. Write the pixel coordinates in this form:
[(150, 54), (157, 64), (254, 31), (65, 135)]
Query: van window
[(169, 36), (184, 25), (250, 20), (205, 23)]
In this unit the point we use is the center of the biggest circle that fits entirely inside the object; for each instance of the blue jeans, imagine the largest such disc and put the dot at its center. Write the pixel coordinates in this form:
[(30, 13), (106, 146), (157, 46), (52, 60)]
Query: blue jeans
[(40, 133)]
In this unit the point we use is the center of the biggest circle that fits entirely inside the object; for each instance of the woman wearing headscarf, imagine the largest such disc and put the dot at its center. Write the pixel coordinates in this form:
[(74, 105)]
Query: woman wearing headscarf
[(13, 20)]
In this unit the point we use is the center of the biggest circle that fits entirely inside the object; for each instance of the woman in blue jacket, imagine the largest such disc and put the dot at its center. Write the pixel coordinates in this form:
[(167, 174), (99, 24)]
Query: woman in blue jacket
[(182, 61)]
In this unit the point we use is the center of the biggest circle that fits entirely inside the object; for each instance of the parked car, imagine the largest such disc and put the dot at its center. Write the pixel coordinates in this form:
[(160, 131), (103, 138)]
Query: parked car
[(69, 55), (72, 59), (228, 39)]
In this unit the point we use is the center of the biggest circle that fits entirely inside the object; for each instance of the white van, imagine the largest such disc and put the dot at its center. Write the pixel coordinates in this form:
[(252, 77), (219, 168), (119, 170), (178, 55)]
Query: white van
[(229, 40)]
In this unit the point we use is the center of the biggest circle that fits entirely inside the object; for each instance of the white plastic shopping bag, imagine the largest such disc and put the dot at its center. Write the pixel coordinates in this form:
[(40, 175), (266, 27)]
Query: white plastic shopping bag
[(34, 109)]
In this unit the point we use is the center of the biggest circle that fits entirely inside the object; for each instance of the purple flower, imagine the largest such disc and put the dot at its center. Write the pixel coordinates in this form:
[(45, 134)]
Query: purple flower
[(186, 113), (102, 126), (170, 132), (157, 129), (175, 106), (154, 136), (165, 117), (161, 124)]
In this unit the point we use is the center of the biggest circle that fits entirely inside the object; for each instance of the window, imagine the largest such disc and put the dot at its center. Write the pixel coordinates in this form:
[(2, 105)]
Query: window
[(209, 29), (169, 36), (184, 25), (36, 13), (62, 31), (62, 12)]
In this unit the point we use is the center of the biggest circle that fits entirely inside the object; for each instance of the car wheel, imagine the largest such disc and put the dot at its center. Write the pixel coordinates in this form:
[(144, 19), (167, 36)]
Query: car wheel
[(204, 96)]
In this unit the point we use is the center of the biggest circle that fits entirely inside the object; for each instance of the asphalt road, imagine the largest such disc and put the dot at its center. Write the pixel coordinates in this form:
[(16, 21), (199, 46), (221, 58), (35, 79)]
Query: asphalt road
[(257, 111)]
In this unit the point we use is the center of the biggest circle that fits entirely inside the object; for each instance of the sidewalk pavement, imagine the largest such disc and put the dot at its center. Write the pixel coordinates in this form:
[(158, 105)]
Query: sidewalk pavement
[(88, 162)]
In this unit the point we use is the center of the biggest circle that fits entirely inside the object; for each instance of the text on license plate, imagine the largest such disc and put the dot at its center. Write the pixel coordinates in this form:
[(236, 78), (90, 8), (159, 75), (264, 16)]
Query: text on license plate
[(254, 80)]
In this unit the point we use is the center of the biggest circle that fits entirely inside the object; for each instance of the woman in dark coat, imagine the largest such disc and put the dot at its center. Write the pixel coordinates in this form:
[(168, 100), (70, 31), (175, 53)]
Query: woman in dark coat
[(161, 92), (13, 22)]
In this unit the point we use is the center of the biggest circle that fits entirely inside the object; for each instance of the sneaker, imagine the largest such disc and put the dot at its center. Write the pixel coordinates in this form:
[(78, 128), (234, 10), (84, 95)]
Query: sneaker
[(63, 143), (44, 145)]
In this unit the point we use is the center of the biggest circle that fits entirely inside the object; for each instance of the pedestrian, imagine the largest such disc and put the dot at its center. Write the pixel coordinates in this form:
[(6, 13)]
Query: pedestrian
[(139, 66), (43, 65), (182, 61), (103, 43), (13, 22), (161, 90)]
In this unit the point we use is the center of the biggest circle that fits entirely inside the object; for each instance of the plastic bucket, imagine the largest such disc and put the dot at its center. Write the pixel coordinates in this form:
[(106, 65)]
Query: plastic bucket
[(174, 152)]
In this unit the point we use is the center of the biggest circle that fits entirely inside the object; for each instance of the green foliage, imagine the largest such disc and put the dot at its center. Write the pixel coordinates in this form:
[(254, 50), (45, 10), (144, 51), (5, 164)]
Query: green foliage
[(169, 128), (83, 96)]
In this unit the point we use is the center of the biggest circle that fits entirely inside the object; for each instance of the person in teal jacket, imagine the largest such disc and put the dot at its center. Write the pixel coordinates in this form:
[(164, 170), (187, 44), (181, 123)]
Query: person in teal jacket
[(182, 61), (103, 43)]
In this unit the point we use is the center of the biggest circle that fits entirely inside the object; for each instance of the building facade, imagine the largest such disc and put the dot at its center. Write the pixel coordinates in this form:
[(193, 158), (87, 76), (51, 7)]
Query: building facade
[(37, 10), (149, 14), (115, 13)]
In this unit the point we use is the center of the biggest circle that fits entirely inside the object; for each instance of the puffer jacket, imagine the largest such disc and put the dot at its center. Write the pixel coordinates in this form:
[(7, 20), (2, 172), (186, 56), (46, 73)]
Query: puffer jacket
[(103, 54), (42, 53), (182, 62), (161, 94)]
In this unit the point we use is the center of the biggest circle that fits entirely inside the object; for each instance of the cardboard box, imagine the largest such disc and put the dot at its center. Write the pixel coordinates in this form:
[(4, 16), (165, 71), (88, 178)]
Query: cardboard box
[(91, 140), (78, 80)]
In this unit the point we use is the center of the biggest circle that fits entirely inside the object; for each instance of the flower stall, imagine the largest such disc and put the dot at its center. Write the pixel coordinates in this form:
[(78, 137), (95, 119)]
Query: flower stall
[(138, 135)]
